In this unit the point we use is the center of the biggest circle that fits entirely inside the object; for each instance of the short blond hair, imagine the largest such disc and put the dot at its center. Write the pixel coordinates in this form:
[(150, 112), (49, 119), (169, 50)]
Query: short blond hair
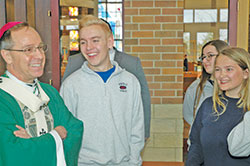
[(89, 20)]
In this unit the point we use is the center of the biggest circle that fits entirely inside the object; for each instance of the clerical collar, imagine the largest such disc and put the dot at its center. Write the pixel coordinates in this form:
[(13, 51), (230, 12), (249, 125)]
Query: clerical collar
[(28, 85)]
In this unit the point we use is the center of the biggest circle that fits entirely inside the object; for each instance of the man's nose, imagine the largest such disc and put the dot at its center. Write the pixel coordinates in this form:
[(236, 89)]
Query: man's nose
[(89, 46)]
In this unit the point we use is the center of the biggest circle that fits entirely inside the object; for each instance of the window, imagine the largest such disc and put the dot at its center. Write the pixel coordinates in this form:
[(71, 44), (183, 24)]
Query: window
[(73, 11), (223, 15), (112, 11), (223, 34), (188, 16), (74, 43), (202, 38), (186, 40), (72, 27), (205, 15)]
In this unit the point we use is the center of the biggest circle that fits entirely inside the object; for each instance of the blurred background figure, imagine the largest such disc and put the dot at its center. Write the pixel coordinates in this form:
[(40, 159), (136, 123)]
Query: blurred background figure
[(185, 63)]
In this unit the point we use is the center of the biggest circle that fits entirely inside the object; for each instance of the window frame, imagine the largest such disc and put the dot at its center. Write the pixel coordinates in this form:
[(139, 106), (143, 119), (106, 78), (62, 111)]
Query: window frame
[(106, 3)]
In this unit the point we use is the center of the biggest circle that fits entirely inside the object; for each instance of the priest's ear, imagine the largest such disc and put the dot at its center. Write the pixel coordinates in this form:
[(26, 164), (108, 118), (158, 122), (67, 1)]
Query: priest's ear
[(6, 56), (2, 65)]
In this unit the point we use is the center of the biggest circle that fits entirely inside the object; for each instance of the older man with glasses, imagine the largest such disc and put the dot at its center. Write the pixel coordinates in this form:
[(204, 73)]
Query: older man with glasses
[(36, 127)]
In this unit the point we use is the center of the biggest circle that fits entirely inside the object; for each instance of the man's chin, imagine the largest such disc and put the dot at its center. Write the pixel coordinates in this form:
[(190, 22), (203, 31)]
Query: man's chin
[(37, 74)]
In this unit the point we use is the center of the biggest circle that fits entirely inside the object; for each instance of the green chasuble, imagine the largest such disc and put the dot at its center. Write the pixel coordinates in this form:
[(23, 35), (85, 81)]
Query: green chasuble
[(37, 151)]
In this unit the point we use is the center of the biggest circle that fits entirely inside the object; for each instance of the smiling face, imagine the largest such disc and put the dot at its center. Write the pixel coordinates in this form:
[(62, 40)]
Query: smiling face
[(229, 76), (95, 44), (25, 67), (208, 62)]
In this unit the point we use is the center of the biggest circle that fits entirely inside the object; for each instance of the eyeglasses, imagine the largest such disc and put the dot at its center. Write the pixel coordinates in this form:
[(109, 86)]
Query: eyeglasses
[(29, 50), (208, 57)]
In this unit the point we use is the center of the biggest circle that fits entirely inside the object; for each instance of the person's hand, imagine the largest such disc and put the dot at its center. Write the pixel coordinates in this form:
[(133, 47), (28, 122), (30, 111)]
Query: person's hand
[(22, 133), (61, 131)]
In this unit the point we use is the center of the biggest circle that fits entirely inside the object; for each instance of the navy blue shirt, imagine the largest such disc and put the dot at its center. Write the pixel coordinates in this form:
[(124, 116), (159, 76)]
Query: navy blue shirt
[(209, 136)]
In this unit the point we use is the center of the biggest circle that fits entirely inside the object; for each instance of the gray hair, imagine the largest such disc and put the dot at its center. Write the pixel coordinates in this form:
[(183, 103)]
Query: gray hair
[(6, 41)]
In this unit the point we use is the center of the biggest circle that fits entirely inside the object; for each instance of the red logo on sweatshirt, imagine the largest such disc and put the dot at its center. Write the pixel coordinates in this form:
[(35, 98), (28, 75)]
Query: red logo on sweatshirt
[(123, 87)]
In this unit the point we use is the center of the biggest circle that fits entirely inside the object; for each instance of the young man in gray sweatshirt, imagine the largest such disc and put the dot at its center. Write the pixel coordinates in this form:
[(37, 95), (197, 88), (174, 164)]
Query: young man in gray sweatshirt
[(107, 99)]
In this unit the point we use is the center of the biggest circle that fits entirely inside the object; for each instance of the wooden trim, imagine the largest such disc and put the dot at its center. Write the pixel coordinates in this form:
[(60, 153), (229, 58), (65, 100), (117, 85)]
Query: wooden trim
[(55, 44), (243, 24), (2, 12), (20, 10), (43, 26), (2, 22), (232, 22), (31, 12)]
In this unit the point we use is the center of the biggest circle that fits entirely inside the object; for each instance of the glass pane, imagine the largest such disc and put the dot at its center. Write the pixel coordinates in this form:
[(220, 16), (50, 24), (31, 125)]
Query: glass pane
[(223, 15), (74, 44), (202, 38), (206, 15), (223, 34), (61, 27), (73, 35), (115, 19), (73, 11), (188, 16), (186, 40), (72, 27), (111, 11), (102, 11), (118, 45)]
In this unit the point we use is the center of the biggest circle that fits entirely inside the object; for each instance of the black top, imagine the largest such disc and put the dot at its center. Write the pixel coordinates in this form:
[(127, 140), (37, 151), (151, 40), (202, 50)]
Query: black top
[(185, 64)]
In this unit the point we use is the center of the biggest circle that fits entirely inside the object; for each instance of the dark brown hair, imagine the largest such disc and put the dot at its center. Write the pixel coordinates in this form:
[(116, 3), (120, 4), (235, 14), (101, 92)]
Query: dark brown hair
[(219, 46)]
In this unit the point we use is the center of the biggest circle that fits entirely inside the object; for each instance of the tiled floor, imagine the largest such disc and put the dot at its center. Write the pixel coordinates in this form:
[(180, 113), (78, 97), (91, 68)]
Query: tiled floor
[(185, 137), (162, 163)]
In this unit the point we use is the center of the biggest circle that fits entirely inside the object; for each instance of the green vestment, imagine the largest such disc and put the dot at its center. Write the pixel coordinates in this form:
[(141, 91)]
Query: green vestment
[(37, 151)]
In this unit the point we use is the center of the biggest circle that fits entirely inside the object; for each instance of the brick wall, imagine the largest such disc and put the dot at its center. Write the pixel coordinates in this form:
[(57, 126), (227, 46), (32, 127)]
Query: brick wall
[(154, 33)]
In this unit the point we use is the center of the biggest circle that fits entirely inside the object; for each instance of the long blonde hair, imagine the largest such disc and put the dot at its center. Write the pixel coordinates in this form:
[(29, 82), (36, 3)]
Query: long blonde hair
[(219, 46), (242, 58)]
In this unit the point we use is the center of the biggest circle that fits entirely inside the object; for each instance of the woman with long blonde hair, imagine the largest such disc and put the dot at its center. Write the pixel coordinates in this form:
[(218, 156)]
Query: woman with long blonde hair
[(219, 114), (239, 138)]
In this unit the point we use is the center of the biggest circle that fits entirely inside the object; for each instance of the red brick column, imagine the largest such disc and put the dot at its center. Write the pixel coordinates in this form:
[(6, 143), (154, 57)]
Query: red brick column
[(154, 33)]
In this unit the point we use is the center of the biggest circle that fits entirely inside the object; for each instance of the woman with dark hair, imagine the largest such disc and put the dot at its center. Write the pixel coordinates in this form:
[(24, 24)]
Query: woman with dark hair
[(202, 88)]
